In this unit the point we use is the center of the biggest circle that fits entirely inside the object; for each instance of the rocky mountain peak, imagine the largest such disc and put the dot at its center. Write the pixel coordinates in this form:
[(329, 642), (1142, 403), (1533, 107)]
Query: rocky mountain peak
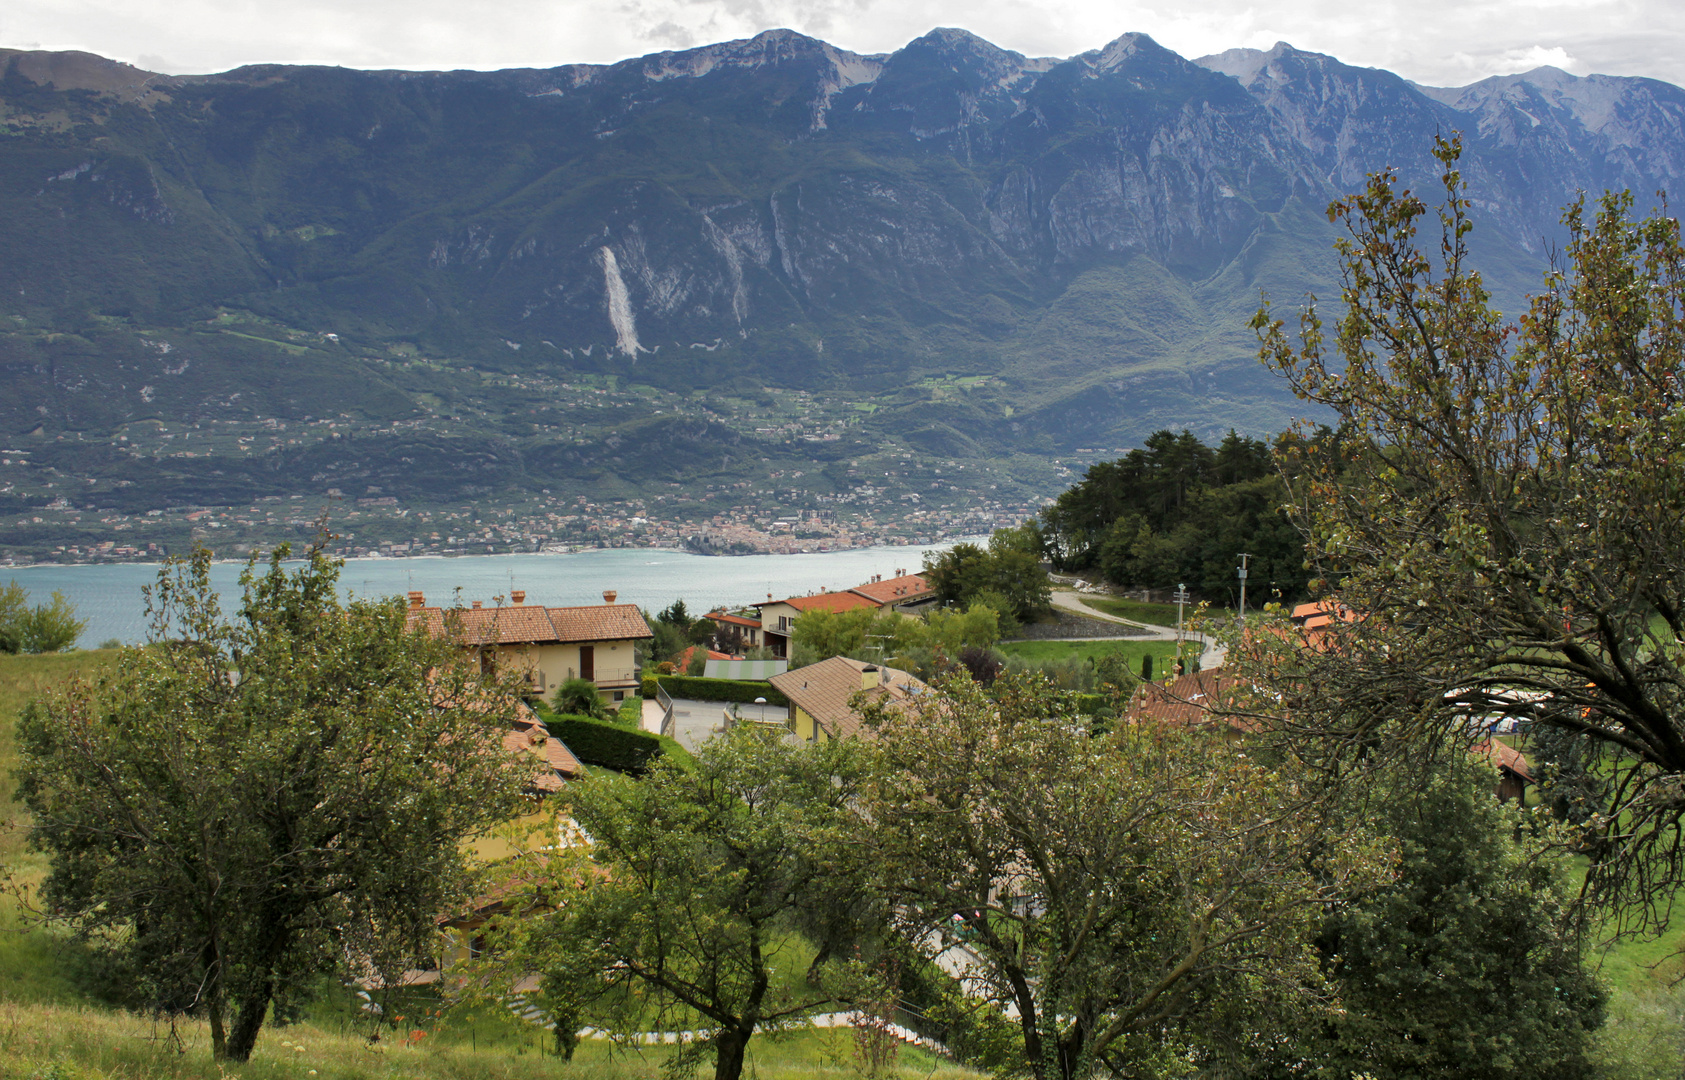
[(1245, 64), (1120, 51), (767, 49)]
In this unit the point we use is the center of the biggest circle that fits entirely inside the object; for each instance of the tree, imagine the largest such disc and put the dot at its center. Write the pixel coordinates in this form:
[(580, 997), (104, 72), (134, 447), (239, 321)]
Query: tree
[(1468, 963), (675, 630), (1126, 897), (1501, 507), (1010, 569), (1176, 511), (696, 885), (252, 801), (41, 629), (862, 633), (579, 697)]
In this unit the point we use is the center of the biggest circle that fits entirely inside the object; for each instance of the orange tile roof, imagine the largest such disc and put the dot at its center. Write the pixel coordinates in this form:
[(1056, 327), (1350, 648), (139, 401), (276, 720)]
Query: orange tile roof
[(823, 691), (895, 590), (1189, 701), (528, 734), (830, 601)]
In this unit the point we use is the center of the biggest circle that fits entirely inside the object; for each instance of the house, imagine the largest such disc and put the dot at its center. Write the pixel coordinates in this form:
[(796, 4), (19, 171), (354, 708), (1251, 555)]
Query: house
[(548, 645), (735, 634), (556, 766), (821, 695), (778, 617), (908, 594), (1315, 619), (1513, 773), (681, 662), (1212, 701)]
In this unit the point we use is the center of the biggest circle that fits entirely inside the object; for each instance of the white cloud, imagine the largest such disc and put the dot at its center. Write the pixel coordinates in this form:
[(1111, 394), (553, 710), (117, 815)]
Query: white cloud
[(1444, 42)]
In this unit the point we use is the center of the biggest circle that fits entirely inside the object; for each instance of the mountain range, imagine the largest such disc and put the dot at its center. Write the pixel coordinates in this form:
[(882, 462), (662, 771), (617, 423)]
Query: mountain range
[(1078, 242)]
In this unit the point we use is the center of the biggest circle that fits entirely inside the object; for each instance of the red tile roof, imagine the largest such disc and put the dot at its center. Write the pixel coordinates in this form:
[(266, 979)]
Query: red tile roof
[(830, 601), (734, 620), (895, 590), (682, 661), (1190, 700), (1503, 756), (599, 622)]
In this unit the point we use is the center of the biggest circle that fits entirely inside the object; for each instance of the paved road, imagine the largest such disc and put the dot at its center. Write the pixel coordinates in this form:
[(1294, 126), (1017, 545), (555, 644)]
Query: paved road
[(1071, 600)]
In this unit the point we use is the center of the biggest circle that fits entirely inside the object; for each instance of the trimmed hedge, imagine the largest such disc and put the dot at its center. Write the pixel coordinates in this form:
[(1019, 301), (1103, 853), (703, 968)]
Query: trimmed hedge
[(742, 691), (596, 742), (1088, 704), (646, 687)]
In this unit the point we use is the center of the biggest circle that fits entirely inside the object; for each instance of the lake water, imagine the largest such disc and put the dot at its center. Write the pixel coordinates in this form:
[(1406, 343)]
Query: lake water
[(109, 596)]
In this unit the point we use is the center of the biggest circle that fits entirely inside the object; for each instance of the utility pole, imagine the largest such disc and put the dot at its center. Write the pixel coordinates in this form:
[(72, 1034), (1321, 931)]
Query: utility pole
[(1243, 557), (1181, 598)]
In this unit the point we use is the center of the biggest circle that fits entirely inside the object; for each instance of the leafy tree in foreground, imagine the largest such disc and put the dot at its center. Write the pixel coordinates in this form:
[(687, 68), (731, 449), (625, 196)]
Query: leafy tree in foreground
[(697, 884), (1466, 966), (252, 801), (1502, 507), (1145, 894)]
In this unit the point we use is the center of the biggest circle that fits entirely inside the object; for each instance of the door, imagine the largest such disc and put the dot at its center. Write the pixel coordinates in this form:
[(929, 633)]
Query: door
[(588, 662)]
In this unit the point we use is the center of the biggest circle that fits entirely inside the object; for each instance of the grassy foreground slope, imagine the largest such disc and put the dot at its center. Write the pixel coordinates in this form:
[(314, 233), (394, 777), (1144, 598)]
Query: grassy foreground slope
[(55, 1023)]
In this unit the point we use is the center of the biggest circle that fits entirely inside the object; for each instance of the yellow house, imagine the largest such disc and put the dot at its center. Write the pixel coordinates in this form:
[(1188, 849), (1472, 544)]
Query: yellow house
[(820, 695), (548, 645)]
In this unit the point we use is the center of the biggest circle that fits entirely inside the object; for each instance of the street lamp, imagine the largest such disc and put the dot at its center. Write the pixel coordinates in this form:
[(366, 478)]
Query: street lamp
[(1242, 571), (761, 701)]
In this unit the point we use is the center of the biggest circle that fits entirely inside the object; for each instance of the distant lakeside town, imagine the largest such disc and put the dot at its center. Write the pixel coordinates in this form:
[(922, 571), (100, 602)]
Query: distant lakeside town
[(378, 527)]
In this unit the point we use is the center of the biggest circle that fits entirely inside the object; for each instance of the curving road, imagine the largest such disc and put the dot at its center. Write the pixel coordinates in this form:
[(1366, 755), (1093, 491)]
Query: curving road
[(1071, 600)]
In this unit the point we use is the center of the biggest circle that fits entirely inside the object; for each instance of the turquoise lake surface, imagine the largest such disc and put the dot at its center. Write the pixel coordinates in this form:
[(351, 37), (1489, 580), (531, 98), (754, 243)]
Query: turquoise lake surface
[(109, 596)]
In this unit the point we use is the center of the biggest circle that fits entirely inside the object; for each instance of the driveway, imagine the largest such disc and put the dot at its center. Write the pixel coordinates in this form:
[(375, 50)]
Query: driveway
[(695, 722)]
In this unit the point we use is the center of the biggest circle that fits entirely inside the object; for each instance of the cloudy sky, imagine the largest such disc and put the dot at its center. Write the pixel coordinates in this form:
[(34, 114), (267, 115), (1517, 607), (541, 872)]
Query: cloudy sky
[(1439, 42)]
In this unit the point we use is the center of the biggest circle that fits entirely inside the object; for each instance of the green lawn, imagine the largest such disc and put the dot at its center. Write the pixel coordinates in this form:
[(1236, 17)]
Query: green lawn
[(1137, 610), (47, 1042), (1037, 652)]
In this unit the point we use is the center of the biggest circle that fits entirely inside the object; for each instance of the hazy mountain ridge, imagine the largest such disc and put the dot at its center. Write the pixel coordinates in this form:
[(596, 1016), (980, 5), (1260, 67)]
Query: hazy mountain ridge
[(1088, 233)]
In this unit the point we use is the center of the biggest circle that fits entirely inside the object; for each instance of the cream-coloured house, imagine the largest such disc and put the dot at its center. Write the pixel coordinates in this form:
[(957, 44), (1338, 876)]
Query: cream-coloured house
[(549, 645), (821, 695)]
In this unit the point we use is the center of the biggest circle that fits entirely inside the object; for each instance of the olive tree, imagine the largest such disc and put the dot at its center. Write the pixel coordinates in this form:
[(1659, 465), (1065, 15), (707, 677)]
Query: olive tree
[(251, 801), (703, 896), (1500, 510), (1151, 893)]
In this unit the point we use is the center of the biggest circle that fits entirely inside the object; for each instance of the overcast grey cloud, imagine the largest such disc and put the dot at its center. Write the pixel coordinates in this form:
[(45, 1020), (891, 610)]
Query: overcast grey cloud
[(1439, 42)]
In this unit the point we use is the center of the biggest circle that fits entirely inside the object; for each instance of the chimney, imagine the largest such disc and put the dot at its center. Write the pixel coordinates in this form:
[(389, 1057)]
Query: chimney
[(609, 595), (517, 597), (417, 599), (476, 605), (868, 678)]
